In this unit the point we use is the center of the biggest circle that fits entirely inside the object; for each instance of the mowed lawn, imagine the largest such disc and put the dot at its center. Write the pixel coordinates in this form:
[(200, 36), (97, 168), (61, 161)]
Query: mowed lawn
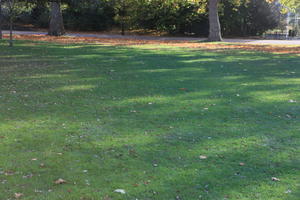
[(159, 122)]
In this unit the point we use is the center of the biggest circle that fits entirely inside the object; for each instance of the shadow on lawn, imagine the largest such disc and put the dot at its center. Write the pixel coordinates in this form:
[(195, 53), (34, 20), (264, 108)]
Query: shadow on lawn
[(128, 109)]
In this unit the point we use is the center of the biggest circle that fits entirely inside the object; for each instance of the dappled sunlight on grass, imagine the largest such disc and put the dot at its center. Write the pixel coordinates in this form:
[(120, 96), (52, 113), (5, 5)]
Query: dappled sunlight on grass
[(41, 76), (75, 87), (266, 96)]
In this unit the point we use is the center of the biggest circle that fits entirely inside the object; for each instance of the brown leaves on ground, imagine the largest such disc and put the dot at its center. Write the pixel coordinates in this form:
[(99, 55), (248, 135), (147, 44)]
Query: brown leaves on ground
[(279, 49)]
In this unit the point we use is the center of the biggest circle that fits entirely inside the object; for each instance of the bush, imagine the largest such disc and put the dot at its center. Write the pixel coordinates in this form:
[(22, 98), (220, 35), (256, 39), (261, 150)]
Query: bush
[(89, 16)]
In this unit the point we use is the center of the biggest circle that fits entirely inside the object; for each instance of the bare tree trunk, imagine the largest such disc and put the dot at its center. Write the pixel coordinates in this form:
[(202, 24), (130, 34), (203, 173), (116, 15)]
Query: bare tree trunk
[(122, 15), (1, 19), (11, 6), (56, 26), (11, 31), (214, 22)]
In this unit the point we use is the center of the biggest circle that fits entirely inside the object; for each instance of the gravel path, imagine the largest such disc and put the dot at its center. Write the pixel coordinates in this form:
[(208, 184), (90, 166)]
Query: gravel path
[(247, 41)]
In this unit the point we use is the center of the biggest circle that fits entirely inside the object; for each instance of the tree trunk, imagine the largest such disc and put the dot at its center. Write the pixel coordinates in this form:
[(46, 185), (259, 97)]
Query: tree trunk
[(122, 15), (122, 26), (214, 22), (1, 18), (11, 7), (56, 26), (11, 31)]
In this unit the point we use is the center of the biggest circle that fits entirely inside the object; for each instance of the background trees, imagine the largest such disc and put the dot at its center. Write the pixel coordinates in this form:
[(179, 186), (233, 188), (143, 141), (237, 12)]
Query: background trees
[(249, 17), (1, 19), (180, 17)]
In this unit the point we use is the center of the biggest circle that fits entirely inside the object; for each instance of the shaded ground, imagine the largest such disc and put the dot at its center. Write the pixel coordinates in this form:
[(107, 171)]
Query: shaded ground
[(161, 122)]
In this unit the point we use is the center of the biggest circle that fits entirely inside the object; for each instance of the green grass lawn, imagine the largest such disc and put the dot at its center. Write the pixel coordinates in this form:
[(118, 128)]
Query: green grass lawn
[(139, 118)]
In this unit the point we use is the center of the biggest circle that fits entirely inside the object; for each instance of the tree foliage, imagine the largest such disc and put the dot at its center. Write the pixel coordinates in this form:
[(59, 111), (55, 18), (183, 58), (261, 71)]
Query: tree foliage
[(237, 17)]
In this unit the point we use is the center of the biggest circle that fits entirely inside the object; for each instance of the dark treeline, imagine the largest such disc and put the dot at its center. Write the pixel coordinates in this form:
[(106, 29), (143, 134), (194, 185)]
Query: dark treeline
[(181, 17)]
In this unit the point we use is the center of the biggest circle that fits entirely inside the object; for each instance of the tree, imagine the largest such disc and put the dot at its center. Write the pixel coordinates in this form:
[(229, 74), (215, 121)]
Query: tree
[(56, 26), (214, 22), (12, 10), (249, 18), (1, 19), (124, 10), (122, 13), (11, 5)]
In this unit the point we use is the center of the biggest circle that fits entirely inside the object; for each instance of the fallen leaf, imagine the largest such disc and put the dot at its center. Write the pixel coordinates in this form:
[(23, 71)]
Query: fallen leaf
[(120, 191), (60, 181), (9, 173), (42, 165), (18, 195), (288, 116), (28, 176)]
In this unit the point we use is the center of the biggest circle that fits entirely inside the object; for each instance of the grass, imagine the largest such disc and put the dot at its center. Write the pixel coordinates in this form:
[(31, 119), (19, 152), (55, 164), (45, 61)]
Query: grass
[(138, 118)]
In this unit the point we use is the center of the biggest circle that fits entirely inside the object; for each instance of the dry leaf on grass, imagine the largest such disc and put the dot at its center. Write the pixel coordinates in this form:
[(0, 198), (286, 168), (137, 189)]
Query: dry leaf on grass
[(121, 191), (18, 195), (60, 181), (182, 89), (9, 173), (42, 165)]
